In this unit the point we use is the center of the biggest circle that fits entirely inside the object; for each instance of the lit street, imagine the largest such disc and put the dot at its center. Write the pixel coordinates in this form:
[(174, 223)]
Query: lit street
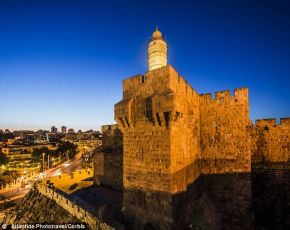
[(66, 167), (14, 195)]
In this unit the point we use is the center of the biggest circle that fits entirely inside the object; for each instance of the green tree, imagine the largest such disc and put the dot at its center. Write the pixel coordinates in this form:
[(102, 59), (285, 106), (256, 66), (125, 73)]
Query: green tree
[(37, 153), (67, 148), (7, 177), (3, 159)]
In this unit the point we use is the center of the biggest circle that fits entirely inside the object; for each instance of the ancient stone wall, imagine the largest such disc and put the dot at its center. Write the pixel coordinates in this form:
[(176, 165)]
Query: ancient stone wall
[(271, 195), (173, 137), (112, 138), (231, 194), (37, 208), (226, 147), (272, 141), (225, 140), (156, 109), (108, 159), (108, 169), (46, 205), (159, 118), (86, 216)]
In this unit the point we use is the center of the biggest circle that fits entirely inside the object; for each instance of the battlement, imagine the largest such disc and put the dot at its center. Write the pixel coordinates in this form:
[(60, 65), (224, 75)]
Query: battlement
[(131, 83), (222, 94), (111, 127), (263, 122), (271, 122), (172, 135), (158, 80), (272, 140), (111, 138), (239, 94), (285, 121), (78, 209), (158, 97)]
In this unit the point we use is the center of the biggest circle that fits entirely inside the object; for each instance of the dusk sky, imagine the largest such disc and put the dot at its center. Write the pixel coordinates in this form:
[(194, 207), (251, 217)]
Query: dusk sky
[(62, 62)]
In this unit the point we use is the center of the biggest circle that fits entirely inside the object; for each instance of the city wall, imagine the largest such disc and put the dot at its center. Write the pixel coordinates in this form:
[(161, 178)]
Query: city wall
[(155, 110), (226, 155), (112, 138), (108, 159), (85, 216), (225, 141), (108, 169), (272, 141), (173, 136)]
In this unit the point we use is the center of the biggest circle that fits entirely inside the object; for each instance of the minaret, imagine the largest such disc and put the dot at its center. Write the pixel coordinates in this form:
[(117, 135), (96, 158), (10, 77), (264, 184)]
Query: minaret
[(157, 51)]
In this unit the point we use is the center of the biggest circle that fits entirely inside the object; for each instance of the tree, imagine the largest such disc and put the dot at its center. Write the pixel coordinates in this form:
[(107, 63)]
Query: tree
[(37, 153), (7, 177), (5, 136), (3, 159), (67, 148)]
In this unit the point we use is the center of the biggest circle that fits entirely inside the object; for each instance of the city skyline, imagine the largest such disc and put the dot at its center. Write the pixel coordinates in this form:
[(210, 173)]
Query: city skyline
[(61, 63)]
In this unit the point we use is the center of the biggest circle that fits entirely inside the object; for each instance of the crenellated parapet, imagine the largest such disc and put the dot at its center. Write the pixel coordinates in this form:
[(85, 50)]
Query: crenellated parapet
[(78, 209), (173, 136), (272, 140), (272, 122), (285, 121), (154, 98), (160, 121), (240, 95), (162, 104), (266, 122), (225, 141)]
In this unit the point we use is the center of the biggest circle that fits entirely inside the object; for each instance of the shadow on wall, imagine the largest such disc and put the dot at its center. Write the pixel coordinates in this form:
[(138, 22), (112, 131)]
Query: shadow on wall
[(106, 202), (220, 201), (271, 195)]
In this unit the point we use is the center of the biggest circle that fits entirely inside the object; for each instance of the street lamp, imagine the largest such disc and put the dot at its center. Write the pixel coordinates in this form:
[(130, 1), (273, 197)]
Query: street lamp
[(43, 162)]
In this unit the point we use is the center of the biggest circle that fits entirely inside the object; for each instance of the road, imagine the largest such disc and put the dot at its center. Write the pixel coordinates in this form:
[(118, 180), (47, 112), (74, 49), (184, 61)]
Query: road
[(66, 168), (15, 195)]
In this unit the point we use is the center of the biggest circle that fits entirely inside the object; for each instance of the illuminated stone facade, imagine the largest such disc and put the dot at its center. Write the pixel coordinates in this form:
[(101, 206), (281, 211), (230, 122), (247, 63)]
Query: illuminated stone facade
[(183, 161), (172, 135), (108, 159)]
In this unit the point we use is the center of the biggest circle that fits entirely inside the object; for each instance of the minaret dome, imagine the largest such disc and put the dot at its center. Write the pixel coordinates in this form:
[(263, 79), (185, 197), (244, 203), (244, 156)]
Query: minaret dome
[(157, 51)]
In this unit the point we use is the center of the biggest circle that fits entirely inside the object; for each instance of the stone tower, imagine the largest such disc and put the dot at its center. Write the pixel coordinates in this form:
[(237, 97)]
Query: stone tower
[(174, 140), (157, 51), (159, 119)]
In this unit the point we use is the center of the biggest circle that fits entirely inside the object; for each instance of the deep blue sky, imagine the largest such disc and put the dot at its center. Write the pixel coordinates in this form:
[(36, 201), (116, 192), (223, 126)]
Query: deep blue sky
[(62, 62)]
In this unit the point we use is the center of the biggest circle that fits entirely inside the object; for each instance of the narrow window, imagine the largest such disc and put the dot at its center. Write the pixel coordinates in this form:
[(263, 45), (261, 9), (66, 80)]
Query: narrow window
[(167, 118), (148, 109), (158, 119)]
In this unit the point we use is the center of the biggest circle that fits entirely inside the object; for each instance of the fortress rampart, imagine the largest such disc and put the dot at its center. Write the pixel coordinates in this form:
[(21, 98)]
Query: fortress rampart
[(225, 142), (172, 136), (154, 107), (187, 128), (108, 159), (179, 145), (76, 209), (156, 110), (272, 140)]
